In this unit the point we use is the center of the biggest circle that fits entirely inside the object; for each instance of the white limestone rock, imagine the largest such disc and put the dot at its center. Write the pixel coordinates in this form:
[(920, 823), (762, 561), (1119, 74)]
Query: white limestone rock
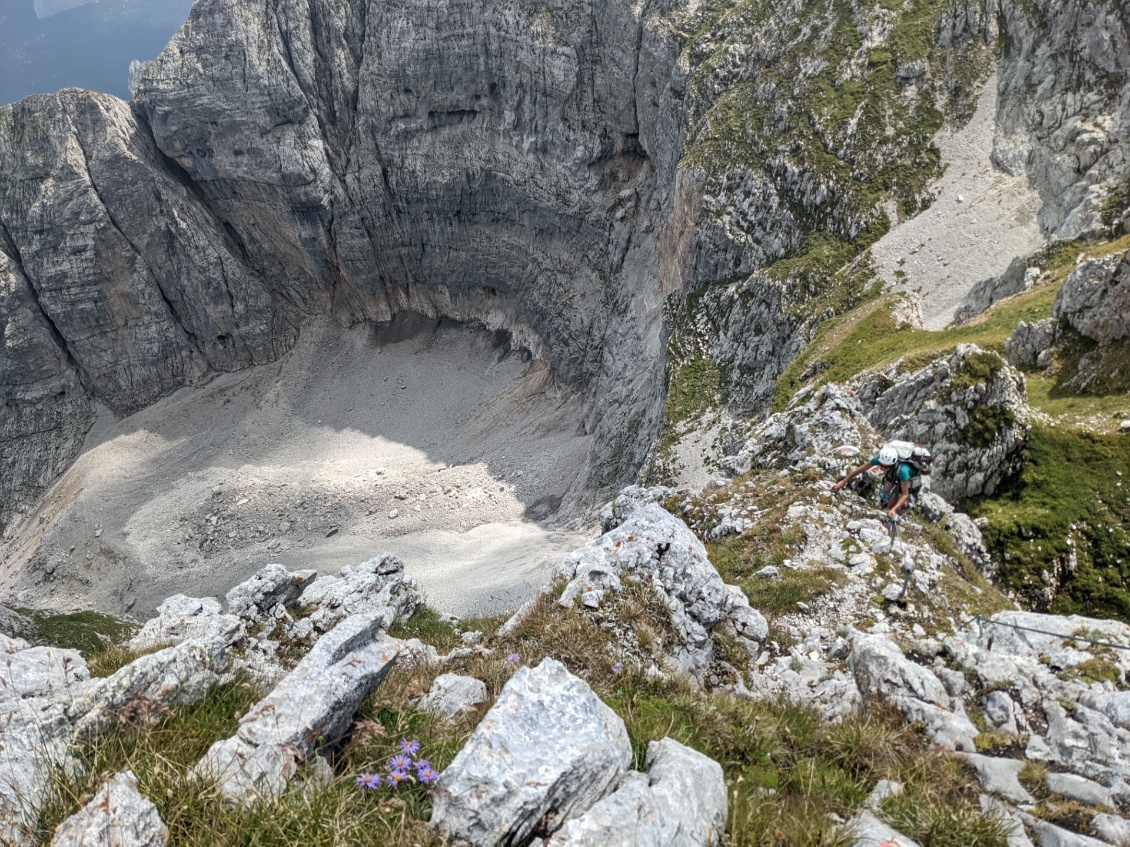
[(181, 618), (868, 831), (1050, 835), (273, 585), (180, 675), (378, 588), (880, 669), (1095, 299), (680, 802), (53, 673), (451, 694), (1001, 777), (652, 545), (545, 752), (1025, 345), (970, 408), (117, 815), (1079, 788), (311, 707), (34, 741), (1112, 829)]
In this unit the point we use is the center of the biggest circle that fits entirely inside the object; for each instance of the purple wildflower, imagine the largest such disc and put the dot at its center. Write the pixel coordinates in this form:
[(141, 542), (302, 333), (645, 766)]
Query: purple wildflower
[(422, 764), (616, 668), (395, 777), (513, 657), (369, 780), (427, 775), (409, 748), (399, 762)]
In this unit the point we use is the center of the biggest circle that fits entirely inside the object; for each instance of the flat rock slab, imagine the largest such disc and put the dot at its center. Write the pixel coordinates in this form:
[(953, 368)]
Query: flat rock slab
[(51, 672), (1050, 835), (1112, 829), (452, 693), (546, 751), (312, 706), (117, 816), (1079, 788), (1000, 776), (33, 741), (881, 670)]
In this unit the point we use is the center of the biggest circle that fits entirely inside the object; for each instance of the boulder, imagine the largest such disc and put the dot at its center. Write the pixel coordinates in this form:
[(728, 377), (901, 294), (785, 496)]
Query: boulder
[(1112, 829), (181, 618), (1000, 711), (545, 752), (180, 675), (680, 802), (654, 546), (273, 585), (451, 694), (378, 588), (969, 407), (1025, 346), (311, 708), (117, 815), (1095, 299), (49, 672), (1049, 638), (814, 425), (1001, 777), (1085, 742), (881, 670), (1050, 835)]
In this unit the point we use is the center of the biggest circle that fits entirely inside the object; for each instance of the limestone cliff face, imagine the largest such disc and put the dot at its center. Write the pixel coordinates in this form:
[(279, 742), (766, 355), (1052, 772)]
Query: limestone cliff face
[(556, 170), (507, 165), (1065, 106)]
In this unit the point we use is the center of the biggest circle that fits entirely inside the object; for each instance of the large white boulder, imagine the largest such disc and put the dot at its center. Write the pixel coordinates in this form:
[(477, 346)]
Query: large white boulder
[(653, 546), (180, 675), (452, 693), (545, 752), (680, 802), (182, 618), (118, 815)]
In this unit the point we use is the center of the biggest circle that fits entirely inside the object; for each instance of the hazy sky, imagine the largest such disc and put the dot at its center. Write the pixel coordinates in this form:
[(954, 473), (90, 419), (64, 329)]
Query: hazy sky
[(46, 45)]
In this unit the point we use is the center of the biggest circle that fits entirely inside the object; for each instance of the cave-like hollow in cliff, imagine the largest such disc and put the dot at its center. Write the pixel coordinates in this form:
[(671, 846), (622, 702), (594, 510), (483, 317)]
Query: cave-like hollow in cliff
[(340, 279)]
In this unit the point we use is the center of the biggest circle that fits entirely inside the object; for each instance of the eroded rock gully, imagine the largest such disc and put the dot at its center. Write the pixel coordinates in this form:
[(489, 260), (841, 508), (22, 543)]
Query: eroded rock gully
[(516, 168)]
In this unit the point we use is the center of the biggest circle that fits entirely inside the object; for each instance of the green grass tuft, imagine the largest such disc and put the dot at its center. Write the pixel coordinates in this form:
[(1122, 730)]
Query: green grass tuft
[(1068, 503), (89, 632)]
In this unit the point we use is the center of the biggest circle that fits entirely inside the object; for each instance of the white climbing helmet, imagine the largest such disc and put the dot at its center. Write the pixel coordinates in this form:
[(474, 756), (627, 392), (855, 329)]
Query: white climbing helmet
[(888, 456)]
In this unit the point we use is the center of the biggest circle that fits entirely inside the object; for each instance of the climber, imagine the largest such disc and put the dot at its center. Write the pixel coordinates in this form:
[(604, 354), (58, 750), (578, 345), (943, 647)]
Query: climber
[(901, 474)]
